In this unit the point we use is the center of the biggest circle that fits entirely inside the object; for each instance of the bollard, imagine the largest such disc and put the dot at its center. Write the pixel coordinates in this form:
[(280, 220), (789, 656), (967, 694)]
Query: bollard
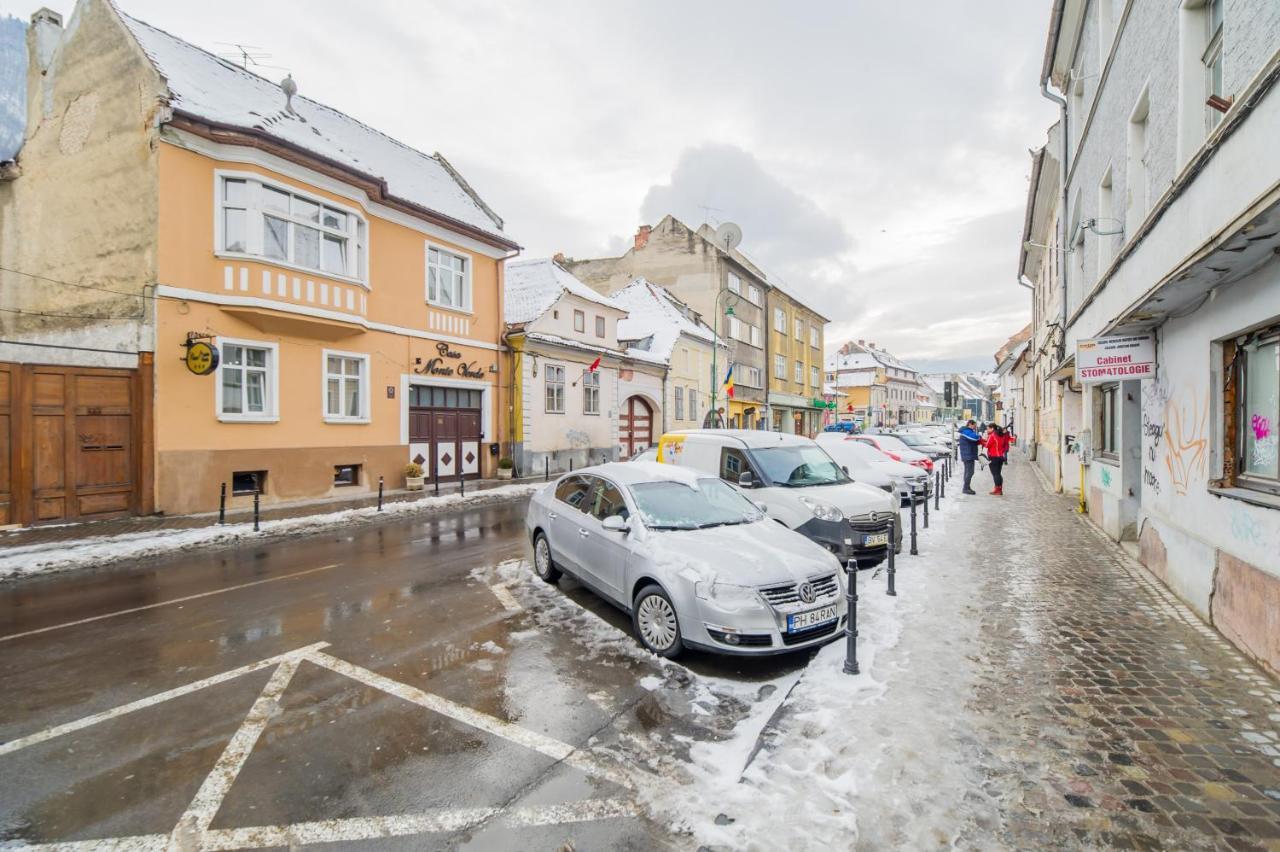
[(379, 493), (256, 492), (914, 551), (944, 485), (926, 508), (851, 618), (546, 468), (892, 571), (462, 484), (937, 493), (222, 506), (435, 478), (571, 464)]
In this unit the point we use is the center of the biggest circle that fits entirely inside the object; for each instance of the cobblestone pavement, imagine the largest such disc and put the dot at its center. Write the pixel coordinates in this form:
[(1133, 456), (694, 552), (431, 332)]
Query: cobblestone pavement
[(1107, 713)]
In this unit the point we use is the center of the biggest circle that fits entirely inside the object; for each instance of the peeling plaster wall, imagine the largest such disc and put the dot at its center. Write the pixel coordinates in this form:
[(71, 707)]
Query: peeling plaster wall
[(84, 208)]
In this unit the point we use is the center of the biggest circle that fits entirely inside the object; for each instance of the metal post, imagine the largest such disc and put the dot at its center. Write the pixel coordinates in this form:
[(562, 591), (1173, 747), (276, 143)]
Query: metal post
[(435, 478), (944, 484), (937, 493), (914, 551), (379, 493), (926, 507), (462, 484), (851, 619), (571, 464), (256, 492), (546, 468), (222, 506), (893, 571)]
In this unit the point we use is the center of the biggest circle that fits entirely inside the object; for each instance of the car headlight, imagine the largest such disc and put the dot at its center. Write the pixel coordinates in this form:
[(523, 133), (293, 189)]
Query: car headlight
[(726, 594), (888, 487), (822, 511)]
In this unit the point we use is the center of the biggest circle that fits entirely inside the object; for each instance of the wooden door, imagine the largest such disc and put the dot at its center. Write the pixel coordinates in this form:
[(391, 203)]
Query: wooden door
[(635, 427), (444, 434), (469, 442), (8, 446)]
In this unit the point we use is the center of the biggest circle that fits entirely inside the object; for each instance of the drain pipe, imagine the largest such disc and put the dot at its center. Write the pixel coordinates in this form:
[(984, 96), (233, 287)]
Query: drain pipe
[(1063, 170)]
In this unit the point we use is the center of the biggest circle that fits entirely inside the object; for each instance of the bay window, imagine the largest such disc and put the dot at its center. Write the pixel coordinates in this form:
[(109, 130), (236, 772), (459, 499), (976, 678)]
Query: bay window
[(346, 383), (448, 279), (276, 223)]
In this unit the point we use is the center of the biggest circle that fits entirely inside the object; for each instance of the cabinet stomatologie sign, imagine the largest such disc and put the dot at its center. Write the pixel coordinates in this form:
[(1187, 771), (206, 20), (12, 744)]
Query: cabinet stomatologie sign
[(1112, 359)]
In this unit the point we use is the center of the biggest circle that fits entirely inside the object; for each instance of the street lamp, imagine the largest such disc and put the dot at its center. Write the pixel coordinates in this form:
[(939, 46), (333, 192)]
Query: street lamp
[(715, 343)]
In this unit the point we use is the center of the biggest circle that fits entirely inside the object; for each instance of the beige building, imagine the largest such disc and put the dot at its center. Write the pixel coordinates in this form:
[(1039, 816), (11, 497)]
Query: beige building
[(795, 341)]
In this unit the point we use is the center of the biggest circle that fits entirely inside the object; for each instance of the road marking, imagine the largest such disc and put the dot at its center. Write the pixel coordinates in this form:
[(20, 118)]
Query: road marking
[(143, 703), (168, 603), (194, 823), (508, 600)]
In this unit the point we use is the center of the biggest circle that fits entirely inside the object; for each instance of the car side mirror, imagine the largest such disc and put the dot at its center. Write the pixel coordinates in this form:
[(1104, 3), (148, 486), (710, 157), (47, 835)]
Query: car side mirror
[(615, 523), (746, 480), (845, 468), (763, 507)]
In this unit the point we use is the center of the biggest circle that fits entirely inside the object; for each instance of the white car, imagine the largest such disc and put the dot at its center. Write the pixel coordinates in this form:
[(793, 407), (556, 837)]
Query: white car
[(694, 562), (867, 464), (896, 450)]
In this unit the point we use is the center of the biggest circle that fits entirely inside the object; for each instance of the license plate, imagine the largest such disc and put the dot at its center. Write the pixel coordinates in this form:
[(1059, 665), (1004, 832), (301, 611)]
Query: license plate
[(877, 540), (812, 618)]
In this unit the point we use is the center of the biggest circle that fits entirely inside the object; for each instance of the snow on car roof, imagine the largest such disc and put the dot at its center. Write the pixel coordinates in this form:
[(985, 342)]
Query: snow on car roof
[(636, 472), (210, 88), (750, 438)]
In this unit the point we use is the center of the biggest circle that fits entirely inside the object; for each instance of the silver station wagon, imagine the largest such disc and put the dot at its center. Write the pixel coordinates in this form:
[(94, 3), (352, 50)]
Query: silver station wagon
[(694, 562)]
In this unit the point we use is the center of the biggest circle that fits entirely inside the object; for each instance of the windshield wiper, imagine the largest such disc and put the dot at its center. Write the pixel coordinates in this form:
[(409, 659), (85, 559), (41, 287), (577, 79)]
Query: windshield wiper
[(673, 527), (710, 524)]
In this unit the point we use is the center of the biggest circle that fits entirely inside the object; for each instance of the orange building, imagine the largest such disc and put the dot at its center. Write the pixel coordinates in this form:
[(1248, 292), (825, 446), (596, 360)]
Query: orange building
[(349, 287)]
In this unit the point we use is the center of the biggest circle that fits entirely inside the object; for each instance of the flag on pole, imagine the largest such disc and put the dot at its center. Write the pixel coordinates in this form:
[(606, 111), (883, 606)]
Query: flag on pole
[(595, 365), (728, 383)]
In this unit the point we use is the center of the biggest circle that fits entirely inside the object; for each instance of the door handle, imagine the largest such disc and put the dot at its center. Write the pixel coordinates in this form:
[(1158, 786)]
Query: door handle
[(552, 515), (583, 533)]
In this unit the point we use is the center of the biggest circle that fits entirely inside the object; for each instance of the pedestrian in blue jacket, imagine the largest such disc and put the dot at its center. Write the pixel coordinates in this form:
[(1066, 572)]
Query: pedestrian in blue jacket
[(970, 441)]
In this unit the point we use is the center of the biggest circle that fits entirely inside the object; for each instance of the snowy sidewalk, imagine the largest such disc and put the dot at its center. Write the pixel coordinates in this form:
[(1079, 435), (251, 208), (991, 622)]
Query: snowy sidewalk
[(1030, 687)]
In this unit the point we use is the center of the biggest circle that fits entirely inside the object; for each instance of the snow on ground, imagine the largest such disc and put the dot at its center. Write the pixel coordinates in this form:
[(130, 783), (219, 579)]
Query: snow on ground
[(98, 551), (802, 756)]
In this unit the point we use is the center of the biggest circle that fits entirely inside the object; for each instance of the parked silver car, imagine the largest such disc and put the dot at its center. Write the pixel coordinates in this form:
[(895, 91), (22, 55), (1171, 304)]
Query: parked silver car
[(694, 562)]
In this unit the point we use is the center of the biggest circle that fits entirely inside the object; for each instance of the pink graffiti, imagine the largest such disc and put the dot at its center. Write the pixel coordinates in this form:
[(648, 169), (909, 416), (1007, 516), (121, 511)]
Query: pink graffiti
[(1261, 427)]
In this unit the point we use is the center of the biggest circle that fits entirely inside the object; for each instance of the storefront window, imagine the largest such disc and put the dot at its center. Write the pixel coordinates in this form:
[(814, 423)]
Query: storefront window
[(1259, 394)]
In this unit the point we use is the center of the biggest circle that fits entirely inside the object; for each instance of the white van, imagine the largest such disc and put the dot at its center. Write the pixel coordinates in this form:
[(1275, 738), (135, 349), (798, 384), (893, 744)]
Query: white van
[(799, 485)]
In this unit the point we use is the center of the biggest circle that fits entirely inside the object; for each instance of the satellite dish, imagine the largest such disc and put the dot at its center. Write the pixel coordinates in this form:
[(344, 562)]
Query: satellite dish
[(728, 236)]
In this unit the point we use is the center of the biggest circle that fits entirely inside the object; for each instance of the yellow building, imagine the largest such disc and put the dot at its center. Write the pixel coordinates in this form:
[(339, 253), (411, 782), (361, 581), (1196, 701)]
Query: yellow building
[(349, 287), (795, 363)]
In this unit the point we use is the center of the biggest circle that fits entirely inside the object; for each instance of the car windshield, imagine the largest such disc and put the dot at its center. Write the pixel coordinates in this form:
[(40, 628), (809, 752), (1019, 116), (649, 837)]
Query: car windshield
[(914, 440), (889, 442), (799, 466), (677, 506)]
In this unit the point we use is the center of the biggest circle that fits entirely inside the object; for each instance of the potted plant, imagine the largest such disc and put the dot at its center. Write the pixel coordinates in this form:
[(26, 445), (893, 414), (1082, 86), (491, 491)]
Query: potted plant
[(414, 480), (505, 468)]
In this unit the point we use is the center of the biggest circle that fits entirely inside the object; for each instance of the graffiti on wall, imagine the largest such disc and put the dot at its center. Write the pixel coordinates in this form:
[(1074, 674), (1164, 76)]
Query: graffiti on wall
[(1175, 428), (1262, 454)]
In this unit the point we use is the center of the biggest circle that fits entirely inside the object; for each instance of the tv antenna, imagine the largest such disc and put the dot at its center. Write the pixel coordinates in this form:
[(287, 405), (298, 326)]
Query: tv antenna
[(707, 210), (248, 54), (728, 236)]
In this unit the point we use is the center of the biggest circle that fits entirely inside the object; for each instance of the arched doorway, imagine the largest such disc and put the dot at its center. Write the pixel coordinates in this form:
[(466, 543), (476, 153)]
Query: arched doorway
[(635, 426)]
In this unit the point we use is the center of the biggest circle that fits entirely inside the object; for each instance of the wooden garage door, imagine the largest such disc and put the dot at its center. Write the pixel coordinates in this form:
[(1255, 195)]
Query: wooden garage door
[(73, 434)]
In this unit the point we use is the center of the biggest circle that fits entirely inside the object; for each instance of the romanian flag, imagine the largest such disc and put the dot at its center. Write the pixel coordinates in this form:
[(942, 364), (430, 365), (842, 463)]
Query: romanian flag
[(728, 383), (595, 365)]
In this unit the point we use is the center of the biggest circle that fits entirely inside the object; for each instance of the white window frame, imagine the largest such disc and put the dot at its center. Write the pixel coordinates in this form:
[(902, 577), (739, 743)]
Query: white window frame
[(602, 327), (753, 377), (271, 414), (1213, 55), (780, 320), (755, 336), (546, 387), (679, 402), (799, 372), (735, 328), (590, 382), (734, 283), (357, 237), (779, 367), (468, 266), (579, 321), (365, 383), (799, 326), (754, 294), (813, 337), (814, 375)]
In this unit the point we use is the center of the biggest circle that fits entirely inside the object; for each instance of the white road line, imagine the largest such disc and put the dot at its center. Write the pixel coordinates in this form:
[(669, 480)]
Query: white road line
[(167, 603), (151, 701), (540, 743), (136, 843), (508, 600), (403, 825), (204, 806)]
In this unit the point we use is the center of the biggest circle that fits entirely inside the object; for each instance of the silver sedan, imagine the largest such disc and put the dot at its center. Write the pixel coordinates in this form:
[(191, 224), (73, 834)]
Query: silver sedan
[(694, 562)]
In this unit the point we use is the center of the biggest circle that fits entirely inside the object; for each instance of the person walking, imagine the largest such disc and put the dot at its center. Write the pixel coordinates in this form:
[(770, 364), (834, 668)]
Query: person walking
[(970, 440), (997, 442)]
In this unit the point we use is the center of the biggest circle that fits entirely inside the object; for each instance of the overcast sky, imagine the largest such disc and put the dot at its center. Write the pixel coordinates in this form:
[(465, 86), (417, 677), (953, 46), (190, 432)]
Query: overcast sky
[(875, 154)]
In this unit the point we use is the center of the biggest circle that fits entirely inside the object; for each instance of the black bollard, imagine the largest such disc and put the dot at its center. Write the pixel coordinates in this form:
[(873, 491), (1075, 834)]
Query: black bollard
[(937, 493), (379, 493), (255, 508), (851, 619), (893, 571), (571, 464), (222, 506), (914, 551), (926, 507), (462, 484), (546, 468), (435, 478), (943, 483)]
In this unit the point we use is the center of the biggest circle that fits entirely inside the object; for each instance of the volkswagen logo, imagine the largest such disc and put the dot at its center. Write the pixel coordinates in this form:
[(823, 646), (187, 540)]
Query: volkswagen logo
[(806, 593)]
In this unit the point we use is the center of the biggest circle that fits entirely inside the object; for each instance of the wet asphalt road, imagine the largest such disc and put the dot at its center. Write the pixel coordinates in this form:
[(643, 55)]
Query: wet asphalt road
[(441, 714)]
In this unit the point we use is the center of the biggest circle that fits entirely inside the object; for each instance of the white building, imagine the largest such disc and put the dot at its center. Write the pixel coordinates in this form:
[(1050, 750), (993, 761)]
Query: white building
[(579, 396), (1170, 189)]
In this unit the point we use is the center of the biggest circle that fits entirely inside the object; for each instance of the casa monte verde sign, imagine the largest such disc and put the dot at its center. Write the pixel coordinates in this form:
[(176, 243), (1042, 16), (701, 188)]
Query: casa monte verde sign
[(439, 367)]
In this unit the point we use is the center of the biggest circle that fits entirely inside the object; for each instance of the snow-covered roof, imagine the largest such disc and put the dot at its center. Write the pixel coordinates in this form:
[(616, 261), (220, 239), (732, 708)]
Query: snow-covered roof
[(654, 313), (935, 383), (533, 286), (856, 380), (208, 88), (852, 361), (832, 390)]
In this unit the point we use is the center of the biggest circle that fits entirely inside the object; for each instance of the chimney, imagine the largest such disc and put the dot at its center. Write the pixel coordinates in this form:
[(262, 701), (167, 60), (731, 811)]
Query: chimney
[(642, 236), (871, 346), (861, 342), (46, 32)]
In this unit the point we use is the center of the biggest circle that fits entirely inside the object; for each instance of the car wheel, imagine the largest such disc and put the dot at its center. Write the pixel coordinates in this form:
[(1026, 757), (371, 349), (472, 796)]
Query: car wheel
[(543, 565), (656, 623)]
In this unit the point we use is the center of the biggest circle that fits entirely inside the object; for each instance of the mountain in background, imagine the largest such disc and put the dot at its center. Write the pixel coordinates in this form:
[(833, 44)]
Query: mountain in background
[(13, 85)]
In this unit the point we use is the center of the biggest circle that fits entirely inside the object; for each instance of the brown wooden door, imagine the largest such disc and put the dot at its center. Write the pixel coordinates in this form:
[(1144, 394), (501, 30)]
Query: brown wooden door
[(453, 439), (73, 435), (635, 427)]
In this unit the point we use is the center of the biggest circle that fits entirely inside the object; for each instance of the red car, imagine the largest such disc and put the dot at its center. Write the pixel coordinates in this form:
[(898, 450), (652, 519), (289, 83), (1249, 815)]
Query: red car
[(896, 450)]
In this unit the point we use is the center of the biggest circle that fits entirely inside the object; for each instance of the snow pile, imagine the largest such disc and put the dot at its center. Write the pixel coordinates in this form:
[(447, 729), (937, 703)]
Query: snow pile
[(103, 550)]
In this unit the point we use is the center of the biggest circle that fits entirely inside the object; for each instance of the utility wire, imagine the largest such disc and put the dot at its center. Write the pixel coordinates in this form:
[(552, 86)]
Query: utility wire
[(73, 283)]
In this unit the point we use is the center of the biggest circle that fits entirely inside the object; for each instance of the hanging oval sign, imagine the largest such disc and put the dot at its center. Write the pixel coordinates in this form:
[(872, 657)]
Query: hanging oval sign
[(202, 358)]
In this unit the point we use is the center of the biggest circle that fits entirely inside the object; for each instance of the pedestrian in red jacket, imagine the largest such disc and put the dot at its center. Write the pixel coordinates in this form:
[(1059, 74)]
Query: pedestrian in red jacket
[(997, 442)]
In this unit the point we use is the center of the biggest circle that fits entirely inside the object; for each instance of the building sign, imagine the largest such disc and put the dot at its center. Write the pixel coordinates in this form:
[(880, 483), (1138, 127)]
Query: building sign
[(440, 366), (822, 403), (1109, 359), (201, 357)]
